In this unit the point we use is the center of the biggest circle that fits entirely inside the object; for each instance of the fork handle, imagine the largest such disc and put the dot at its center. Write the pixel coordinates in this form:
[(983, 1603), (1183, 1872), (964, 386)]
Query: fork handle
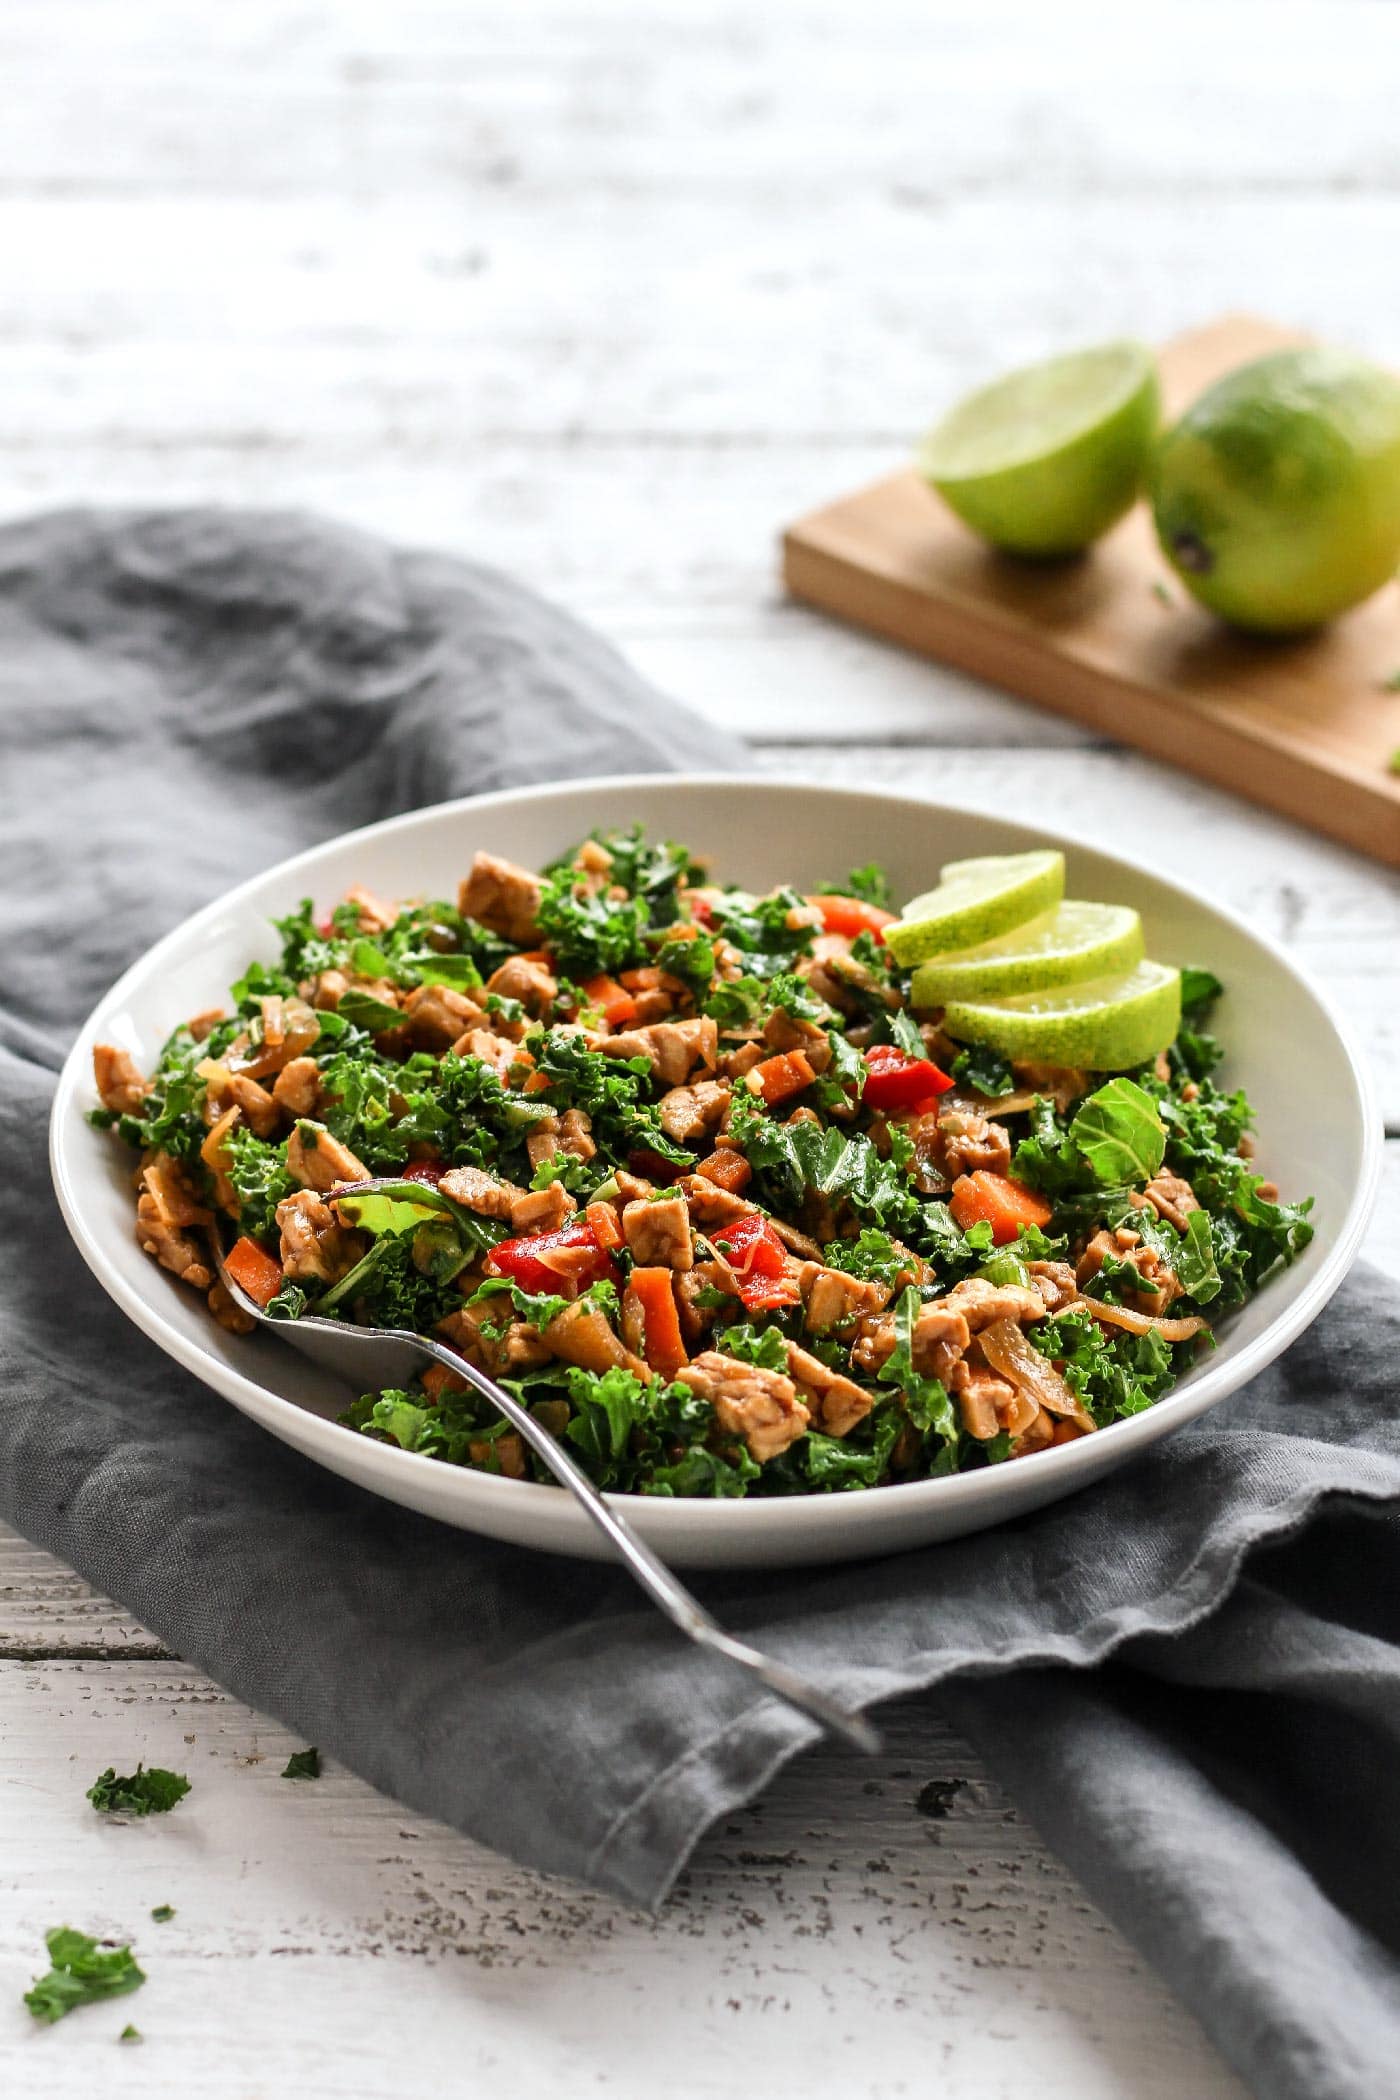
[(651, 1572)]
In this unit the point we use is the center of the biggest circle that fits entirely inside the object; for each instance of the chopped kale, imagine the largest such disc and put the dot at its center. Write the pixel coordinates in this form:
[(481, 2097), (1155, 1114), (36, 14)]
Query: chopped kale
[(926, 1403), (590, 934), (258, 1171), (754, 1345), (1115, 1374), (870, 883), (872, 1255), (303, 1764), (984, 1070), (1119, 1132), (81, 1973), (771, 931), (615, 1093), (144, 1792)]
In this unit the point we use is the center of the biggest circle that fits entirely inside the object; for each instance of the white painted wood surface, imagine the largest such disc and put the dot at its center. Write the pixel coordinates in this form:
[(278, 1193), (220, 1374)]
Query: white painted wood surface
[(604, 294)]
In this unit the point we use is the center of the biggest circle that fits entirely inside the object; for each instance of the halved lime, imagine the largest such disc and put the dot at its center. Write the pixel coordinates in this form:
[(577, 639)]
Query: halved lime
[(1106, 1025), (1043, 461), (1078, 941), (975, 901)]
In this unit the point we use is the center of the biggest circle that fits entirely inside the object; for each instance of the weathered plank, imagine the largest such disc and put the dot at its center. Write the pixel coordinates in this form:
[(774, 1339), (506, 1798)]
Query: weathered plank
[(859, 1924), (366, 97)]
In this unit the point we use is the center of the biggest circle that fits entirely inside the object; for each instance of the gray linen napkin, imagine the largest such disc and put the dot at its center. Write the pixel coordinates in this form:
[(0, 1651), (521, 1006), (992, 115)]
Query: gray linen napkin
[(184, 697)]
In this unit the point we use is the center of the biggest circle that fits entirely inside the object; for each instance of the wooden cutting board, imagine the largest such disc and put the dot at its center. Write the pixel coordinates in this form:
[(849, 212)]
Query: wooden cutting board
[(1303, 726)]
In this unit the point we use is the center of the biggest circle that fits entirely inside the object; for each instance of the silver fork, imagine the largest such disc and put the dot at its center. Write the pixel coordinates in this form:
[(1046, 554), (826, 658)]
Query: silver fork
[(374, 1357)]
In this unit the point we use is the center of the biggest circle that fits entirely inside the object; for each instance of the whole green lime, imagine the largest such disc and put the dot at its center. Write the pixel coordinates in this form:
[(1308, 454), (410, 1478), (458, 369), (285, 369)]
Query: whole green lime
[(1044, 460), (1277, 495)]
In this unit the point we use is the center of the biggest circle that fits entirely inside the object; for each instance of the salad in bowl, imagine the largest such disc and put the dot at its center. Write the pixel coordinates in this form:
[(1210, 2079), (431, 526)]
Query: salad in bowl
[(744, 1195)]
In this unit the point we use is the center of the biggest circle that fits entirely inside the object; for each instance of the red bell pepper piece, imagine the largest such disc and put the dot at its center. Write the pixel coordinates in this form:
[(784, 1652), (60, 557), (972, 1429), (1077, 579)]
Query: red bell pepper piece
[(899, 1085), (852, 916), (429, 1171), (759, 1261), (523, 1260)]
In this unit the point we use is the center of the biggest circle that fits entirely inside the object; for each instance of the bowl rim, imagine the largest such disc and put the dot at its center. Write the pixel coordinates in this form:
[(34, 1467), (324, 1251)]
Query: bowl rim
[(780, 1515)]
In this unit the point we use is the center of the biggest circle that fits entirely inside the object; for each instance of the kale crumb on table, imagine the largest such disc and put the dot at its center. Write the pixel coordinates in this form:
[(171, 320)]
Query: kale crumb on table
[(83, 1971), (683, 1168), (148, 1791)]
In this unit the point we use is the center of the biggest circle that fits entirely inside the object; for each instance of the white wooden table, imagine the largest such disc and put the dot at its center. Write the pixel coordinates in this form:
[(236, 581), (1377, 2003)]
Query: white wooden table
[(604, 294)]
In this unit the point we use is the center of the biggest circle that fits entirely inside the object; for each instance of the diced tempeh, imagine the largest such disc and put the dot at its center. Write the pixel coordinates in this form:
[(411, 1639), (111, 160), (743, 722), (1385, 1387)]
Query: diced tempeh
[(542, 1210), (691, 1112), (320, 1161), (314, 1244), (480, 1192), (673, 1049), (297, 1087), (760, 1407), (833, 1298), (170, 1190), (438, 1015), (529, 982), (173, 1249), (374, 913), (836, 1402), (120, 1085), (1172, 1197), (502, 897), (257, 1106), (657, 1232)]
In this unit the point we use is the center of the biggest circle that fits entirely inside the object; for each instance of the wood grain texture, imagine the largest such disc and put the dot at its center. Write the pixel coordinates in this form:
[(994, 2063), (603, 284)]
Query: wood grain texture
[(1305, 727), (864, 1922)]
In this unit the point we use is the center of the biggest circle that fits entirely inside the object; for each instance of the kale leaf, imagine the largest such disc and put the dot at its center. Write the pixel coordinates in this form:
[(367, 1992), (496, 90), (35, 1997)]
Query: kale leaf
[(926, 1402), (870, 883), (613, 1092), (593, 935), (144, 1792), (754, 1345), (984, 1070), (81, 1974), (872, 1255), (771, 931), (1119, 1132), (258, 1171), (1114, 1374)]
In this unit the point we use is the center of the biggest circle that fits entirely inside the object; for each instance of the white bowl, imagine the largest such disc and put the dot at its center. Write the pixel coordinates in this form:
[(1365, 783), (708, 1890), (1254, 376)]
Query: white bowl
[(1318, 1131)]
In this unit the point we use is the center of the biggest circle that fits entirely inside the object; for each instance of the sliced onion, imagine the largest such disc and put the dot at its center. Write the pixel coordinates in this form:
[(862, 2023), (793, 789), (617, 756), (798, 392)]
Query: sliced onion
[(796, 1241), (1142, 1323), (989, 1104), (1007, 1350), (569, 1264), (212, 1150)]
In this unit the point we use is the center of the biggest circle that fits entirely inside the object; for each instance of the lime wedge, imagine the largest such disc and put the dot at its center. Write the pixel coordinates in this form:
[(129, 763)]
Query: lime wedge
[(975, 901), (1043, 461), (1067, 946), (1106, 1025)]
